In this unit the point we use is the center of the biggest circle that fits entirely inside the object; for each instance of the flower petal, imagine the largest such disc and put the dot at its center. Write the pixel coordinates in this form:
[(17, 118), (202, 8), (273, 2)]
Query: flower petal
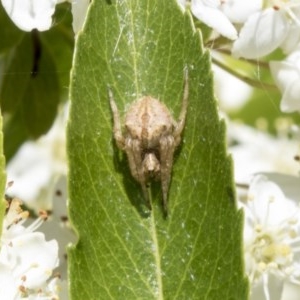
[(272, 286), (30, 14), (262, 33), (269, 203), (289, 185), (213, 17), (283, 73), (182, 4), (31, 256), (292, 40), (8, 287), (79, 11), (238, 11), (290, 101), (287, 77)]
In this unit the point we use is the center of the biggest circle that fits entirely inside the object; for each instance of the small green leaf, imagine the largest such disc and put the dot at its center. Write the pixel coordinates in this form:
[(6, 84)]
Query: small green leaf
[(139, 47), (35, 76), (10, 35), (15, 134), (41, 97), (17, 72), (30, 91), (59, 41)]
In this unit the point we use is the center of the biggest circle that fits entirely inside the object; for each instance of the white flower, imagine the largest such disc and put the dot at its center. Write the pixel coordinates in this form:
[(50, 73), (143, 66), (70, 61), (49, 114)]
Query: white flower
[(220, 14), (36, 166), (210, 13), (287, 77), (182, 4), (27, 260), (57, 226), (238, 11), (292, 39), (271, 238), (79, 11), (231, 92), (30, 14), (268, 29), (54, 290), (37, 14), (38, 172), (255, 151)]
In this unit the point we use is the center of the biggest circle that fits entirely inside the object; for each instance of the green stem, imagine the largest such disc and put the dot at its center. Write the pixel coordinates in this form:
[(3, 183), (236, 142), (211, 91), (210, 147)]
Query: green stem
[(255, 62), (252, 82)]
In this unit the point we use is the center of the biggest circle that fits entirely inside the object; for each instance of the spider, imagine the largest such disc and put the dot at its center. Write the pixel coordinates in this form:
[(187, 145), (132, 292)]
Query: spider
[(150, 138)]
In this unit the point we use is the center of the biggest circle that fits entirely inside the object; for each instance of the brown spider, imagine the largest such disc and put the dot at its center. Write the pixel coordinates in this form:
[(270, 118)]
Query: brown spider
[(150, 138)]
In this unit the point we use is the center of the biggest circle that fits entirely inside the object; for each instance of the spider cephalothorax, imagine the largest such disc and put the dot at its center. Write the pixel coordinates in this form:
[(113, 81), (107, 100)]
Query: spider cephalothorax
[(150, 138)]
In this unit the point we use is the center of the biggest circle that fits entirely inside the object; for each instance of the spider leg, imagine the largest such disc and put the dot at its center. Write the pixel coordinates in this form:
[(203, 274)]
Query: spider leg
[(182, 116), (166, 152), (117, 123), (133, 150)]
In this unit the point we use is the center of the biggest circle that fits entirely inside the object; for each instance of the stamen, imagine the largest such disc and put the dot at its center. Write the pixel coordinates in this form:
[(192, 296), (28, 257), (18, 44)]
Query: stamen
[(265, 286), (292, 15)]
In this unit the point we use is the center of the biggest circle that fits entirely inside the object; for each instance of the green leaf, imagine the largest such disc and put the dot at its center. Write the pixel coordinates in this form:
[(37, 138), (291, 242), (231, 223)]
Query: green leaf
[(2, 178), (10, 35), (124, 250), (59, 41), (31, 69), (17, 71), (41, 97), (34, 79), (15, 134), (30, 91)]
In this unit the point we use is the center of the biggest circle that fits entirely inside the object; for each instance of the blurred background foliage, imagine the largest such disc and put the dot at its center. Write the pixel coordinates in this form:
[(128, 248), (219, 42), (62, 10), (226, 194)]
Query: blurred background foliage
[(34, 77)]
